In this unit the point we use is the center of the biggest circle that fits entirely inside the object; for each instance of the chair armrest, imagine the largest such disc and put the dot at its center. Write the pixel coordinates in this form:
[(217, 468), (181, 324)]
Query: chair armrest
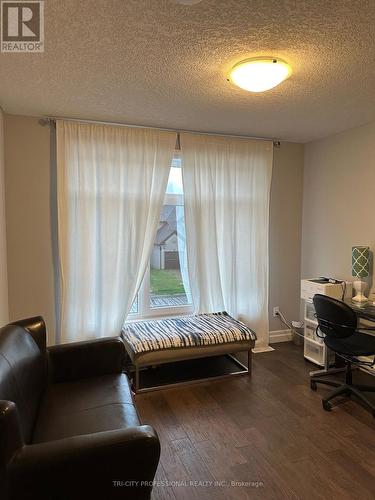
[(113, 464), (91, 358)]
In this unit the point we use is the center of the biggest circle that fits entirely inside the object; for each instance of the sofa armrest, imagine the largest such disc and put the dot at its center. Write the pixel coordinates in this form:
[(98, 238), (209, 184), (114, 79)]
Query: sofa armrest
[(113, 464), (36, 328), (10, 431), (91, 358)]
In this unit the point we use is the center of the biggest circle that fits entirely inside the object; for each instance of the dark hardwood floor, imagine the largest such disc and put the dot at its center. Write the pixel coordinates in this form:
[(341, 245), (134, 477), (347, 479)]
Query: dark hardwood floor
[(267, 433)]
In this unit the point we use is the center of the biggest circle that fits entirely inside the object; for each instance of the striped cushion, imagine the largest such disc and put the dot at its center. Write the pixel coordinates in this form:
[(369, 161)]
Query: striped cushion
[(186, 331)]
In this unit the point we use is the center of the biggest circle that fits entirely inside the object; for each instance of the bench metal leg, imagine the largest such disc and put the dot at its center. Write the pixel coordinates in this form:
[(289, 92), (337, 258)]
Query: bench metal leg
[(244, 370), (249, 361), (136, 379)]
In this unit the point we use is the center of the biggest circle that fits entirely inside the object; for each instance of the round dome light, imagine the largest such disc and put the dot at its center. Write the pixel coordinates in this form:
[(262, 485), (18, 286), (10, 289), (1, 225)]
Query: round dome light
[(260, 73)]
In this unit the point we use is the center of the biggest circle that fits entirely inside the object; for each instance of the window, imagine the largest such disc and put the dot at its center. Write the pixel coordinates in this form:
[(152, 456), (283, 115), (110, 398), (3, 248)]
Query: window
[(165, 288)]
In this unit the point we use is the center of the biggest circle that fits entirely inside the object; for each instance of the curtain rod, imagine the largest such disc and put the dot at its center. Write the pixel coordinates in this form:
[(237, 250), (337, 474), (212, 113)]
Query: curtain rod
[(48, 120)]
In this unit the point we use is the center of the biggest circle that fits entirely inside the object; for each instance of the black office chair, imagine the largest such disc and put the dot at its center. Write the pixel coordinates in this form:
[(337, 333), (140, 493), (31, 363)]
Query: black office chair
[(339, 324)]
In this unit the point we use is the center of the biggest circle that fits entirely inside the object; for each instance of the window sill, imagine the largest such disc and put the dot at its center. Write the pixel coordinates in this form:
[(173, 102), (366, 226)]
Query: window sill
[(160, 313)]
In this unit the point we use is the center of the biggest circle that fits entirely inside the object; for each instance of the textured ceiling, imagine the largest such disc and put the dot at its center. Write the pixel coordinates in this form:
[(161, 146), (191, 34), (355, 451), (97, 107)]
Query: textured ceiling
[(160, 63)]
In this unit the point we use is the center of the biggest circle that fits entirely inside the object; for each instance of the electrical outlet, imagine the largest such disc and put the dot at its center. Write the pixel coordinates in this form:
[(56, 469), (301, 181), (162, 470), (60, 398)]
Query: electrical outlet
[(276, 311)]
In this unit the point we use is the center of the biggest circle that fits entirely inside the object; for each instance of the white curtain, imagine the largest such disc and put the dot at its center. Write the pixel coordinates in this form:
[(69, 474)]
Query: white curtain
[(182, 250), (226, 193), (111, 183)]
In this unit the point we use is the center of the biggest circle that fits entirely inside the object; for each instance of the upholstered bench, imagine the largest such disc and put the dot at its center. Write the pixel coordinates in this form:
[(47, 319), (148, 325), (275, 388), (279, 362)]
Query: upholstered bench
[(156, 342)]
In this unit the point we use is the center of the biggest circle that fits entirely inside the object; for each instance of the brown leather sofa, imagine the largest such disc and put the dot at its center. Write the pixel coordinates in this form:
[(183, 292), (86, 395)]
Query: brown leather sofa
[(68, 425)]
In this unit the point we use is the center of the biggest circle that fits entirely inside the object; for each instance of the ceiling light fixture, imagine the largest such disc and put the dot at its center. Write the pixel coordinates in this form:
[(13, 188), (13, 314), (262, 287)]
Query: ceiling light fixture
[(260, 73)]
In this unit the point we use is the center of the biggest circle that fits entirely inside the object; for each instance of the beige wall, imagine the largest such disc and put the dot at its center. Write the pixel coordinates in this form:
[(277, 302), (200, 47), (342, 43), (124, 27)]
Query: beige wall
[(28, 212), (4, 316), (29, 224), (339, 201), (285, 232)]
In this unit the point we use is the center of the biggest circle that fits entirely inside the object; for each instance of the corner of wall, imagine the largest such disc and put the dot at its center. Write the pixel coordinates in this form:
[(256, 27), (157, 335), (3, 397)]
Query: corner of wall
[(286, 231), (4, 307)]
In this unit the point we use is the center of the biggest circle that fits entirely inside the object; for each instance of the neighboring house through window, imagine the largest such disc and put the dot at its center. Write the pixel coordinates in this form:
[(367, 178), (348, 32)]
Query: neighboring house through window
[(165, 287)]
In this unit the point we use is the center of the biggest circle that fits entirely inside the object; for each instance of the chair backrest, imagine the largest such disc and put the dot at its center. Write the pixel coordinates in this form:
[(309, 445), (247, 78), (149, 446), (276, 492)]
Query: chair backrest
[(23, 369), (335, 318)]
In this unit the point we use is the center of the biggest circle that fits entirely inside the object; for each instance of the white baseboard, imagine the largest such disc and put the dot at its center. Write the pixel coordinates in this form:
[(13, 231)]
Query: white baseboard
[(280, 336)]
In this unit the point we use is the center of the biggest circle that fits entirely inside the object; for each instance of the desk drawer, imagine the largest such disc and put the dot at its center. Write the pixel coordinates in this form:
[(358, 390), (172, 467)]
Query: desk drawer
[(315, 351), (310, 313), (310, 333)]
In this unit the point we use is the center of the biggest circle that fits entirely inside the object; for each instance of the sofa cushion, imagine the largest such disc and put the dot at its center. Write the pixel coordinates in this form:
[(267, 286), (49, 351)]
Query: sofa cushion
[(86, 406), (22, 374)]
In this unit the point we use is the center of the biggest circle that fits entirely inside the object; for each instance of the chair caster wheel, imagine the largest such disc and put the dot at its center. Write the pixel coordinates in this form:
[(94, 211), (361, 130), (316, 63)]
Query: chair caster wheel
[(313, 385), (327, 406)]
